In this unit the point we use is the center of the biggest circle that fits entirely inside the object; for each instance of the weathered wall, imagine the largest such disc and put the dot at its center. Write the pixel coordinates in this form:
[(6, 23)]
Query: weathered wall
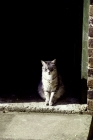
[(90, 59)]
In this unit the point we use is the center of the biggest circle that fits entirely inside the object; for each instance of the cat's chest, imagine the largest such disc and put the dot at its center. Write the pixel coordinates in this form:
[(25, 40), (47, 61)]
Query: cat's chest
[(49, 84)]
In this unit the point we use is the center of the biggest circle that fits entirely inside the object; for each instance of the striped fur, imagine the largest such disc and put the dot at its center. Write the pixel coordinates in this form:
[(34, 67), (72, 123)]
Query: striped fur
[(51, 87)]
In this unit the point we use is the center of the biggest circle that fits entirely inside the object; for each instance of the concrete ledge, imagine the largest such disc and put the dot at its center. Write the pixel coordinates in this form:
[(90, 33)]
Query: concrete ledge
[(68, 106), (45, 126)]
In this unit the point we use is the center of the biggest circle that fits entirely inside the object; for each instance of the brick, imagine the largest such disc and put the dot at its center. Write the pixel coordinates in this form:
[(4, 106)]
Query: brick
[(91, 31), (90, 72), (90, 82), (90, 21), (90, 104), (90, 62), (90, 112), (90, 94), (91, 10), (90, 42), (90, 52)]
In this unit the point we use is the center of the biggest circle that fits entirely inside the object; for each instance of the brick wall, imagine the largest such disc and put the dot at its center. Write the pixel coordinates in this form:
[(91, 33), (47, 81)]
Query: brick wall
[(90, 59)]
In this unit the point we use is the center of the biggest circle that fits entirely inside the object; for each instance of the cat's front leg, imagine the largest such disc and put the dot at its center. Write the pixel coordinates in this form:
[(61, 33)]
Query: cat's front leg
[(47, 97), (51, 101)]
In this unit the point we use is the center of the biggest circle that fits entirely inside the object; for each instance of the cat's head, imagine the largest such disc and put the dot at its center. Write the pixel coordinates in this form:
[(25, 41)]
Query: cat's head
[(49, 66)]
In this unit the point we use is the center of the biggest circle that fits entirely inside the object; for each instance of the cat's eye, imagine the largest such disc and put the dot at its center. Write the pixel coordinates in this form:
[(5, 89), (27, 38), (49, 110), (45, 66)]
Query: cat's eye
[(45, 69), (52, 69)]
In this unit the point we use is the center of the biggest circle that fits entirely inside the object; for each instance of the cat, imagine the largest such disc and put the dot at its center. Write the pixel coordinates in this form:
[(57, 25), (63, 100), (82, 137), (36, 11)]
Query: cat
[(51, 87)]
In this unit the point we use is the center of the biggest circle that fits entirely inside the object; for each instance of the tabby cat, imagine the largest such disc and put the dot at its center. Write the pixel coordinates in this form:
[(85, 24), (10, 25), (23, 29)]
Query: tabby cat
[(51, 87)]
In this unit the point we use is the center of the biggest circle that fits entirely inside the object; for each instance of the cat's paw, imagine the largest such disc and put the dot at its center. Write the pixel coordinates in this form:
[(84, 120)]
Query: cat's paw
[(50, 103), (46, 102)]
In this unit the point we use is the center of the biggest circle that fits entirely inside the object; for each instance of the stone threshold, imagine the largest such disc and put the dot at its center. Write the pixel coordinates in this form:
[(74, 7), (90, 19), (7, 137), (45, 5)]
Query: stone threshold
[(66, 106)]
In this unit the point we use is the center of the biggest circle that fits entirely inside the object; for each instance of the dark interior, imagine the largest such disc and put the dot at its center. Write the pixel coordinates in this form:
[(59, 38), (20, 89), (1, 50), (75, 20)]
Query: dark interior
[(41, 32)]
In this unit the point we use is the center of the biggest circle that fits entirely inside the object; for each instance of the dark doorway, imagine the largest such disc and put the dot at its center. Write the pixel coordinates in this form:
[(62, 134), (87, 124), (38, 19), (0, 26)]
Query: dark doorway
[(43, 32)]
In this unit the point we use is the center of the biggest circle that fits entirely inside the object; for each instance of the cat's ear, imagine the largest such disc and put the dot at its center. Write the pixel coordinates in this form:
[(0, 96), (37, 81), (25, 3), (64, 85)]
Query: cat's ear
[(43, 63), (54, 61)]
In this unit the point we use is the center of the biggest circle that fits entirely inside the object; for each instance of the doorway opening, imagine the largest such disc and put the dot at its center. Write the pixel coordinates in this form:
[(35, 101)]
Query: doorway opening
[(53, 33)]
